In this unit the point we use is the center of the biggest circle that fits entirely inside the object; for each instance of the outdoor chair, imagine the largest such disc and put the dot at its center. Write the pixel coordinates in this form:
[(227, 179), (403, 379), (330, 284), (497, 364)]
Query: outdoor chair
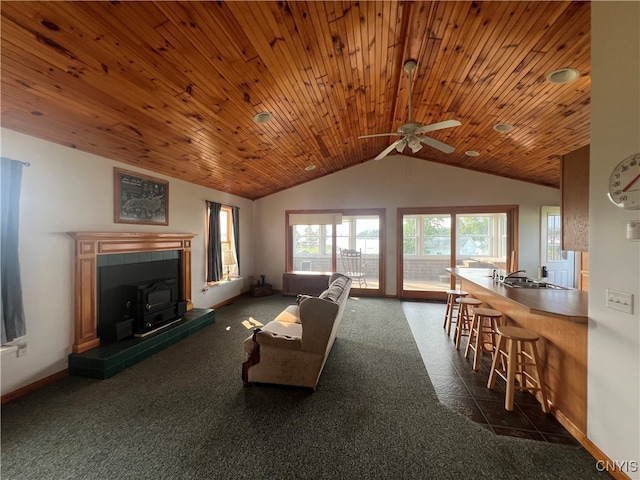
[(353, 266)]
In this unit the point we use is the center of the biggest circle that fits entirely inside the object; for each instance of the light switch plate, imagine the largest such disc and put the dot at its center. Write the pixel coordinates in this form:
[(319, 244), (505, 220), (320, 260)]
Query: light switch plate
[(620, 301)]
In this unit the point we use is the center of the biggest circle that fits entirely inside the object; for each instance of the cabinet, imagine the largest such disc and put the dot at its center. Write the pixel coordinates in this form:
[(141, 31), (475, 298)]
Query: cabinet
[(575, 200), (307, 283), (261, 290)]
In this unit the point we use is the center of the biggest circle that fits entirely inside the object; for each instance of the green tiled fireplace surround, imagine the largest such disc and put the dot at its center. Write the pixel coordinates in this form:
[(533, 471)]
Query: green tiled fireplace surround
[(107, 360)]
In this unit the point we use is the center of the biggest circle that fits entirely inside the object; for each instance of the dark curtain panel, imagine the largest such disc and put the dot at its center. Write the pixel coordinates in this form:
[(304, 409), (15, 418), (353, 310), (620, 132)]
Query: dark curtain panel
[(13, 324), (236, 233), (214, 255)]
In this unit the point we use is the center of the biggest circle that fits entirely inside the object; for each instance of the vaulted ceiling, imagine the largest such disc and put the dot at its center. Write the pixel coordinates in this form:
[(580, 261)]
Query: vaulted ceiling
[(173, 87)]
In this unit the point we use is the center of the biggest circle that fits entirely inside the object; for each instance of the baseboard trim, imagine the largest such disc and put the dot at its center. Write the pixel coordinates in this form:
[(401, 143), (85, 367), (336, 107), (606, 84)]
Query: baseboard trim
[(32, 387), (571, 427), (603, 462), (228, 301)]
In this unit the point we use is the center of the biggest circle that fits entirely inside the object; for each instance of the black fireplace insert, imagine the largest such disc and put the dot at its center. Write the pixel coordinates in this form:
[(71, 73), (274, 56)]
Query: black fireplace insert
[(152, 304), (136, 298)]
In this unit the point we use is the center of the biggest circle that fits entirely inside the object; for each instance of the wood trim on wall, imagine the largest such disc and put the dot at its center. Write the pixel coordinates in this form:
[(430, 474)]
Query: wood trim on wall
[(88, 245), (32, 387)]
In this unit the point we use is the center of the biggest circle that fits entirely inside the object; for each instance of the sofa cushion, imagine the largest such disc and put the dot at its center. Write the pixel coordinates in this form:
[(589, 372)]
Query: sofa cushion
[(340, 281), (289, 315), (335, 289), (332, 293)]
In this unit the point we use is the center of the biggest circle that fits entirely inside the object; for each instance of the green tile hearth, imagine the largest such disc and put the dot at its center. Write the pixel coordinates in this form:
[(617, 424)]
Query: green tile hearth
[(108, 360)]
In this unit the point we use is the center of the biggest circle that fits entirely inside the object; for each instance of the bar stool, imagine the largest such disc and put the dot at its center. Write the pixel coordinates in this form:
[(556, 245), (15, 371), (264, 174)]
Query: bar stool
[(511, 347), (451, 306), (463, 322), (482, 336)]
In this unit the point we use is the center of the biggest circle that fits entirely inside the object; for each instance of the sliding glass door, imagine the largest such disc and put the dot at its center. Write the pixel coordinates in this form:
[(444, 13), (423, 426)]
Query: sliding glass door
[(318, 240), (426, 252), (434, 239)]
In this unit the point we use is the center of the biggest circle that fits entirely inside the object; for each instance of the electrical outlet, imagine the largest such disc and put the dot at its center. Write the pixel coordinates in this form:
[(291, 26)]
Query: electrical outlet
[(620, 301), (22, 349)]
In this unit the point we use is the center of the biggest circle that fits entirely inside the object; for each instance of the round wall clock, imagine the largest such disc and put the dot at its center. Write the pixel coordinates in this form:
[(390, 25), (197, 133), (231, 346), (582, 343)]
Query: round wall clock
[(624, 183)]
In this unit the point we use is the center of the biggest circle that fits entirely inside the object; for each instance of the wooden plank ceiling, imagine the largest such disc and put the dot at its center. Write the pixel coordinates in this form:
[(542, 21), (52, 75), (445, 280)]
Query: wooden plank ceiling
[(173, 86)]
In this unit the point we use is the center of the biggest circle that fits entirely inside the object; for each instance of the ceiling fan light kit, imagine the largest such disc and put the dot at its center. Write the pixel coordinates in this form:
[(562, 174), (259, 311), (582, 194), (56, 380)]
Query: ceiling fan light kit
[(414, 144), (400, 145), (410, 130)]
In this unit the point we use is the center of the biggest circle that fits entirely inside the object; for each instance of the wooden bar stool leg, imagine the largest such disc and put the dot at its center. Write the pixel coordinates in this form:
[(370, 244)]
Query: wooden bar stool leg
[(472, 331), (479, 344), (458, 331), (447, 313), (511, 373), (496, 353), (494, 325), (453, 307), (463, 324)]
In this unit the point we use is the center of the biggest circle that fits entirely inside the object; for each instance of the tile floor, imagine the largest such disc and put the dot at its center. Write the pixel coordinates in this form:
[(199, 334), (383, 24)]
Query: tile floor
[(461, 388)]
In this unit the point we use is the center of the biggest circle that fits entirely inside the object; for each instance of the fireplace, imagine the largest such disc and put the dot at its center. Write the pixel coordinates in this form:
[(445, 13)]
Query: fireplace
[(128, 283), (138, 294)]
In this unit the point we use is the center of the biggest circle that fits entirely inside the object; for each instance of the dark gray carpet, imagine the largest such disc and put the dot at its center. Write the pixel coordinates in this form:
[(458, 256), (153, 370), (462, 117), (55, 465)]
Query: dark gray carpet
[(184, 413)]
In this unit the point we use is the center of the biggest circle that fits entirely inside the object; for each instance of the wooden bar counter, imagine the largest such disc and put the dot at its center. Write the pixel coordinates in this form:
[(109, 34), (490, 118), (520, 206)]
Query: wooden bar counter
[(560, 318)]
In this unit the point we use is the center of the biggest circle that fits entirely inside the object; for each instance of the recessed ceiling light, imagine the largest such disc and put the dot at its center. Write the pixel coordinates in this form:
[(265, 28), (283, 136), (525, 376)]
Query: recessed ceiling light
[(472, 153), (263, 117), (308, 168), (564, 75), (503, 127)]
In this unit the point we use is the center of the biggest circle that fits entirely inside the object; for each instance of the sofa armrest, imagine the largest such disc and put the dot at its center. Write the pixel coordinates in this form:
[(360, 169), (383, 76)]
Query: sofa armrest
[(277, 340), (317, 317)]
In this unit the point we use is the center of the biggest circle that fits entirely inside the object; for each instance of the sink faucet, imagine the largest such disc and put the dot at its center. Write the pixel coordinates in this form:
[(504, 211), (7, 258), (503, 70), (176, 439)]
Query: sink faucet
[(513, 273)]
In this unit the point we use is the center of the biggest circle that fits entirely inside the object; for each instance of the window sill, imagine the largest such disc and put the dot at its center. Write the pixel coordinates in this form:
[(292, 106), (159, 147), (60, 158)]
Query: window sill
[(223, 282), (8, 349)]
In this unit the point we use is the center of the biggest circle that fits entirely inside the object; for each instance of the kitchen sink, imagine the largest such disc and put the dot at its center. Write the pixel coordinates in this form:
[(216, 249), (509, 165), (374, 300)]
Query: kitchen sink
[(526, 282)]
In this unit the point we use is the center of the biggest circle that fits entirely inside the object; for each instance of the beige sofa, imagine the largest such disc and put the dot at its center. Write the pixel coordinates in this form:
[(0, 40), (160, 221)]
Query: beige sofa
[(293, 348)]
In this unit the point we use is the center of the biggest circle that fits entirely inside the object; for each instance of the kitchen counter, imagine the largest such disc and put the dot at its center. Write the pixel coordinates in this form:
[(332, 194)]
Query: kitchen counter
[(559, 317), (570, 305)]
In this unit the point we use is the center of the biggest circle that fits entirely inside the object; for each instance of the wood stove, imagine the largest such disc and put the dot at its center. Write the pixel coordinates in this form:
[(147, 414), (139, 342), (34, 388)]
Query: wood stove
[(152, 304)]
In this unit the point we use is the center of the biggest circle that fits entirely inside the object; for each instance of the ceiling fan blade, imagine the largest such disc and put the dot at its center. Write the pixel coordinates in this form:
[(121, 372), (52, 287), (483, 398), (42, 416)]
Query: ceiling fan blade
[(379, 135), (438, 126), (387, 150), (432, 142)]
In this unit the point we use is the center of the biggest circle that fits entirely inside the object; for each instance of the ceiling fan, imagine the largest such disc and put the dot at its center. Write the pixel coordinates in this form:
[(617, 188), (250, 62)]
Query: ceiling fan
[(410, 130)]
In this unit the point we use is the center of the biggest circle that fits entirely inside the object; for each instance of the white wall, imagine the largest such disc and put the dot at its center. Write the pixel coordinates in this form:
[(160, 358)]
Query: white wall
[(67, 190), (613, 416), (395, 182)]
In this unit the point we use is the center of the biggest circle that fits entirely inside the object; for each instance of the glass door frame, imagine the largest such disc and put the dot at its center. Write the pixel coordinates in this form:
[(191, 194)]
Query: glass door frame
[(349, 212), (512, 213)]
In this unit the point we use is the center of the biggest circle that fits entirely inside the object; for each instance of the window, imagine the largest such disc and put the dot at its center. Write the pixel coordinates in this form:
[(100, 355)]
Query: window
[(436, 235), (222, 242), (553, 238), (316, 239), (313, 247)]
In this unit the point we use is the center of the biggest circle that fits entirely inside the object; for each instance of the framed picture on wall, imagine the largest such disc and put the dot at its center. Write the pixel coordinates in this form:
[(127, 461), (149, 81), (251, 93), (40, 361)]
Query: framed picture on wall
[(140, 199)]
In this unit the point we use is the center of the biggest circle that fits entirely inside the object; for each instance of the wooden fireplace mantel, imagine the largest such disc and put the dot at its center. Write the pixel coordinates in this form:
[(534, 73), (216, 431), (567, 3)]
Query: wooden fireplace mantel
[(88, 245)]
